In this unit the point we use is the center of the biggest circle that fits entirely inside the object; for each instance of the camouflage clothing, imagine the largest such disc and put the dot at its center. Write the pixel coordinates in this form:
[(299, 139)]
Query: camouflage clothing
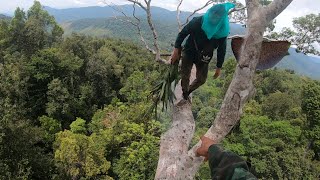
[(227, 165)]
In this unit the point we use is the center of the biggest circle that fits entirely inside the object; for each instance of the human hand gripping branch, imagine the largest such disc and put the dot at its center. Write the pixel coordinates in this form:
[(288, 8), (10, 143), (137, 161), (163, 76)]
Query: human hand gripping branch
[(203, 149), (176, 55)]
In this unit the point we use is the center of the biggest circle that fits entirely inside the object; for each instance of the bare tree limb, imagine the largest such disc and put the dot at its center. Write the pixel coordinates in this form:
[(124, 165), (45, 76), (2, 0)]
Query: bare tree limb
[(117, 9), (197, 10), (275, 8), (178, 15), (139, 30), (147, 9), (157, 51), (136, 24), (138, 3), (240, 15), (236, 9), (154, 33)]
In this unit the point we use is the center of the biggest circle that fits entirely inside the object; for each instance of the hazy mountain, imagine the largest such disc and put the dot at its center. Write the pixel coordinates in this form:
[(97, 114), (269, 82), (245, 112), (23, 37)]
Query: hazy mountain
[(3, 16), (99, 21), (315, 59), (301, 64), (110, 27), (70, 14)]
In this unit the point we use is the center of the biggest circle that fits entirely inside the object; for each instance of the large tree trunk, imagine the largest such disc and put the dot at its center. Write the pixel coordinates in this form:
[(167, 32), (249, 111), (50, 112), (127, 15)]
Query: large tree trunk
[(175, 161), (175, 142)]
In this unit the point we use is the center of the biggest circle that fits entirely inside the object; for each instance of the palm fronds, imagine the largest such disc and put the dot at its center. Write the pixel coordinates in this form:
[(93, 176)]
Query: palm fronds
[(163, 92)]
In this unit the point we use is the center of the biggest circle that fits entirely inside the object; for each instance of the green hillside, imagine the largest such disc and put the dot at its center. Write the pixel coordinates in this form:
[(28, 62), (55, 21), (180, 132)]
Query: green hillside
[(113, 28), (71, 14), (167, 31), (301, 64)]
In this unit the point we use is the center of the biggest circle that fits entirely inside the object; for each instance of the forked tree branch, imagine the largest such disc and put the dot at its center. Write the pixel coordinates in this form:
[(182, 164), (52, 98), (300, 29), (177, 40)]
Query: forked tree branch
[(241, 87), (147, 8), (176, 161), (136, 24)]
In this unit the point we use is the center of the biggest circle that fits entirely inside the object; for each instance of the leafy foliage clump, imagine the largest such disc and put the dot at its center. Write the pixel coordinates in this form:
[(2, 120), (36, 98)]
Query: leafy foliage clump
[(163, 92)]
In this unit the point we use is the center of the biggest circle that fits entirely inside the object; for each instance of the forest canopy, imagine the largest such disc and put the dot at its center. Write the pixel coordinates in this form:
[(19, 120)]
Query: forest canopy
[(74, 108)]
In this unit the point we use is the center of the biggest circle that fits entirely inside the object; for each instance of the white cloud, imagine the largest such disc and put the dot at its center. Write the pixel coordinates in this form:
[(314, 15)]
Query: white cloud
[(316, 45), (78, 2)]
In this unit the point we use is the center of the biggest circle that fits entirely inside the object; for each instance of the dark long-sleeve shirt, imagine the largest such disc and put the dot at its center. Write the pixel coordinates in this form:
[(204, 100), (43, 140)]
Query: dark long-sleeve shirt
[(227, 165), (193, 28)]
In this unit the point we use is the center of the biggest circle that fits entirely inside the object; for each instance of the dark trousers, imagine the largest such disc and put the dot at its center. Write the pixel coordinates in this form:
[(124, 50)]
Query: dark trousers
[(201, 75)]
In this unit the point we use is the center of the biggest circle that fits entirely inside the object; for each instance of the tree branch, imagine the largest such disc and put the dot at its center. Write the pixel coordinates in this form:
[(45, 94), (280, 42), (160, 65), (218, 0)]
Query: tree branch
[(178, 15), (175, 142), (197, 10), (240, 89), (237, 9), (154, 33), (240, 15), (147, 9), (135, 24), (275, 8), (251, 6), (138, 3)]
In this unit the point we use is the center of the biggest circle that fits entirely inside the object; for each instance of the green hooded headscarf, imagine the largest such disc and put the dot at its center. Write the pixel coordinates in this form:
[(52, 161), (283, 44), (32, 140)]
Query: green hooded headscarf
[(216, 22)]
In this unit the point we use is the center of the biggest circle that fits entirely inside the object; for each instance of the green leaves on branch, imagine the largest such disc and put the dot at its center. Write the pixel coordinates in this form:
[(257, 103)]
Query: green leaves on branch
[(163, 92)]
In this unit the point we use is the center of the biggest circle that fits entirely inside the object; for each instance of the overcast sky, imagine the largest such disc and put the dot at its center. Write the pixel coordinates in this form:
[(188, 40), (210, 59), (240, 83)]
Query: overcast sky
[(296, 9)]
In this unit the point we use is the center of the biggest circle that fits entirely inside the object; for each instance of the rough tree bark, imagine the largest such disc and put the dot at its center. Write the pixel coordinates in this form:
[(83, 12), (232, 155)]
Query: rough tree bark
[(175, 160)]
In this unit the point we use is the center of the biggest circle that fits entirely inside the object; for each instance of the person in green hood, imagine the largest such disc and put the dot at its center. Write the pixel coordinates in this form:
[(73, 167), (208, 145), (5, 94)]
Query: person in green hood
[(206, 33)]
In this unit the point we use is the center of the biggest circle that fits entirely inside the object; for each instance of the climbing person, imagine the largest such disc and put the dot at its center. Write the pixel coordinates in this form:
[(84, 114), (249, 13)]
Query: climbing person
[(223, 164), (206, 33)]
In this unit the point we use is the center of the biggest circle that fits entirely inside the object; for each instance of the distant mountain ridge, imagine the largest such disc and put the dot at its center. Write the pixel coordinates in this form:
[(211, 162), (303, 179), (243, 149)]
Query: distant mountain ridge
[(315, 59), (301, 64), (98, 21), (71, 14), (3, 16)]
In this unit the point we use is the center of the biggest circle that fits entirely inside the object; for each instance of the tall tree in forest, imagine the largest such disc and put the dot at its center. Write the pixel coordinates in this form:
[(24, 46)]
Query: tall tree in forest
[(311, 106), (175, 161), (305, 35), (41, 29)]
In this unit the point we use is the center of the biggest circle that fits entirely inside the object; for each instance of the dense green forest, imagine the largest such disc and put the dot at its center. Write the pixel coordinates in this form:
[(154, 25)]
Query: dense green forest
[(75, 108)]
